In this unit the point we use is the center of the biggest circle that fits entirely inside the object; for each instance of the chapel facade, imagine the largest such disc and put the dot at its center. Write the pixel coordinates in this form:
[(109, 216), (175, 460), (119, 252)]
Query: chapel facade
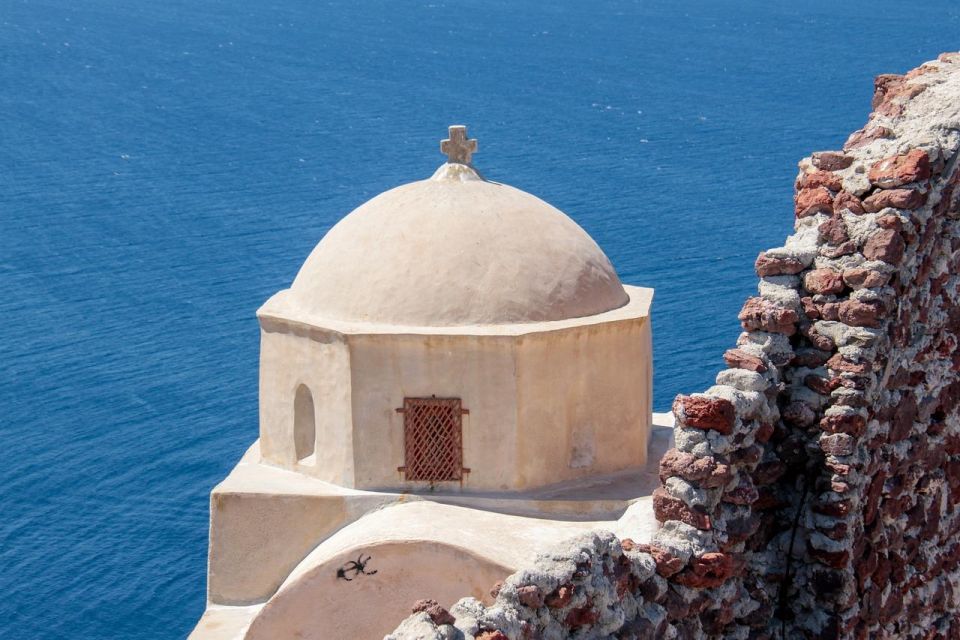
[(459, 334), (455, 358)]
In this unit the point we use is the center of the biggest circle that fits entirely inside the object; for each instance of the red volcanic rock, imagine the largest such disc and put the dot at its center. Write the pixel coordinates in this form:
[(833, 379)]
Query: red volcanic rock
[(896, 198), (897, 92), (837, 444), (423, 605), (834, 230), (840, 364), (432, 608), (890, 108), (492, 635), (828, 311), (581, 616), (847, 201), (890, 221), (922, 70), (812, 358), (883, 85), (837, 468), (952, 471), (810, 308), (886, 245), (738, 359), (865, 136), (530, 595), (903, 419), (705, 471), (852, 424), (864, 278), (859, 314), (764, 432), (666, 507), (560, 597), (836, 509), (823, 281), (707, 571), (667, 563), (767, 265), (949, 397), (888, 87), (831, 160), (839, 530), (843, 249), (873, 498), (835, 559), (745, 493), (812, 201), (624, 580), (820, 384), (899, 170), (758, 313), (819, 179), (702, 412)]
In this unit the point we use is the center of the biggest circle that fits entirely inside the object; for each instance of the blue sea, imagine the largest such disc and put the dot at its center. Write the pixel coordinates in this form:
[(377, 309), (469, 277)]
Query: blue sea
[(167, 166)]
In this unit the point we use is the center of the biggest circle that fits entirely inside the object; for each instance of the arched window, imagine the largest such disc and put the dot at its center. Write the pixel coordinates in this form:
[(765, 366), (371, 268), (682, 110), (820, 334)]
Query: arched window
[(304, 423)]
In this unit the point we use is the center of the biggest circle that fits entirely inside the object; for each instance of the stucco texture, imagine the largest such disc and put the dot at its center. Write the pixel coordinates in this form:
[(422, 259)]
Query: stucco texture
[(456, 250), (547, 402)]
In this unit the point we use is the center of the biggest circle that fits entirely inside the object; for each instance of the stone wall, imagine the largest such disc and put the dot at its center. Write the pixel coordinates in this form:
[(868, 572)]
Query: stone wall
[(814, 491), (870, 426)]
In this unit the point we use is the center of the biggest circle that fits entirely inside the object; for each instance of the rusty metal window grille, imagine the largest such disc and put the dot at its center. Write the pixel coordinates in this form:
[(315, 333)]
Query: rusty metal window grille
[(433, 439)]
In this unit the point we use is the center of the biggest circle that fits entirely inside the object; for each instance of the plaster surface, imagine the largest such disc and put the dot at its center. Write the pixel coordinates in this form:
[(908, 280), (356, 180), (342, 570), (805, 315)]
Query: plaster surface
[(548, 401), (457, 250), (446, 545), (225, 623)]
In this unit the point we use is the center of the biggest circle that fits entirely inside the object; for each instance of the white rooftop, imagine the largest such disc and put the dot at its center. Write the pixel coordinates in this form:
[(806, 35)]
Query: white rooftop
[(456, 250)]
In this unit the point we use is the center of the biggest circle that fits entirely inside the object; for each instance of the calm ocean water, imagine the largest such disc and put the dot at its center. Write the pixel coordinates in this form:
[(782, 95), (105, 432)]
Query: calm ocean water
[(166, 166)]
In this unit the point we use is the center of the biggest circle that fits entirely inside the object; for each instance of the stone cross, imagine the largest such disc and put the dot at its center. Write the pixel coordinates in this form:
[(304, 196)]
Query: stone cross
[(457, 147)]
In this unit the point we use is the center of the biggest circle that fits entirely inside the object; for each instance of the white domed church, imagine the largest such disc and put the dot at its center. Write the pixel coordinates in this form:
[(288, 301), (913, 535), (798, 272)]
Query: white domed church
[(456, 378)]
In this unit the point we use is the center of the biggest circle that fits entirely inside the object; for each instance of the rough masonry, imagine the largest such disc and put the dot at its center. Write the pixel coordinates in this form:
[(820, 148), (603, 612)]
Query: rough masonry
[(814, 491)]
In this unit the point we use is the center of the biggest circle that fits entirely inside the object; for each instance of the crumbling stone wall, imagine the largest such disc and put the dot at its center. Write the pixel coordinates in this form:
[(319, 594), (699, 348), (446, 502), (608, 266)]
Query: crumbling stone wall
[(870, 429), (592, 586), (814, 491)]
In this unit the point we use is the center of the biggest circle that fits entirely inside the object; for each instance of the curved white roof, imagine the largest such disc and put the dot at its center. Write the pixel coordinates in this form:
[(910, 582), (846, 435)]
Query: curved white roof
[(456, 250)]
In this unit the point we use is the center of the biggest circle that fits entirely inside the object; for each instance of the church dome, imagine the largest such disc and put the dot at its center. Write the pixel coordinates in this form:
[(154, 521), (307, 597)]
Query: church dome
[(456, 250)]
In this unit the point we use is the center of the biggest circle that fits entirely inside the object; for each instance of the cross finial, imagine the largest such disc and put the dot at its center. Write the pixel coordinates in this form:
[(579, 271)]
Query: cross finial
[(458, 149)]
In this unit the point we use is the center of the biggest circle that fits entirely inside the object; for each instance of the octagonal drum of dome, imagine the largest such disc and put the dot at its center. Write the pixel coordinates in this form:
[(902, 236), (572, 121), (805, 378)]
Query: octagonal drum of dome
[(456, 334)]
